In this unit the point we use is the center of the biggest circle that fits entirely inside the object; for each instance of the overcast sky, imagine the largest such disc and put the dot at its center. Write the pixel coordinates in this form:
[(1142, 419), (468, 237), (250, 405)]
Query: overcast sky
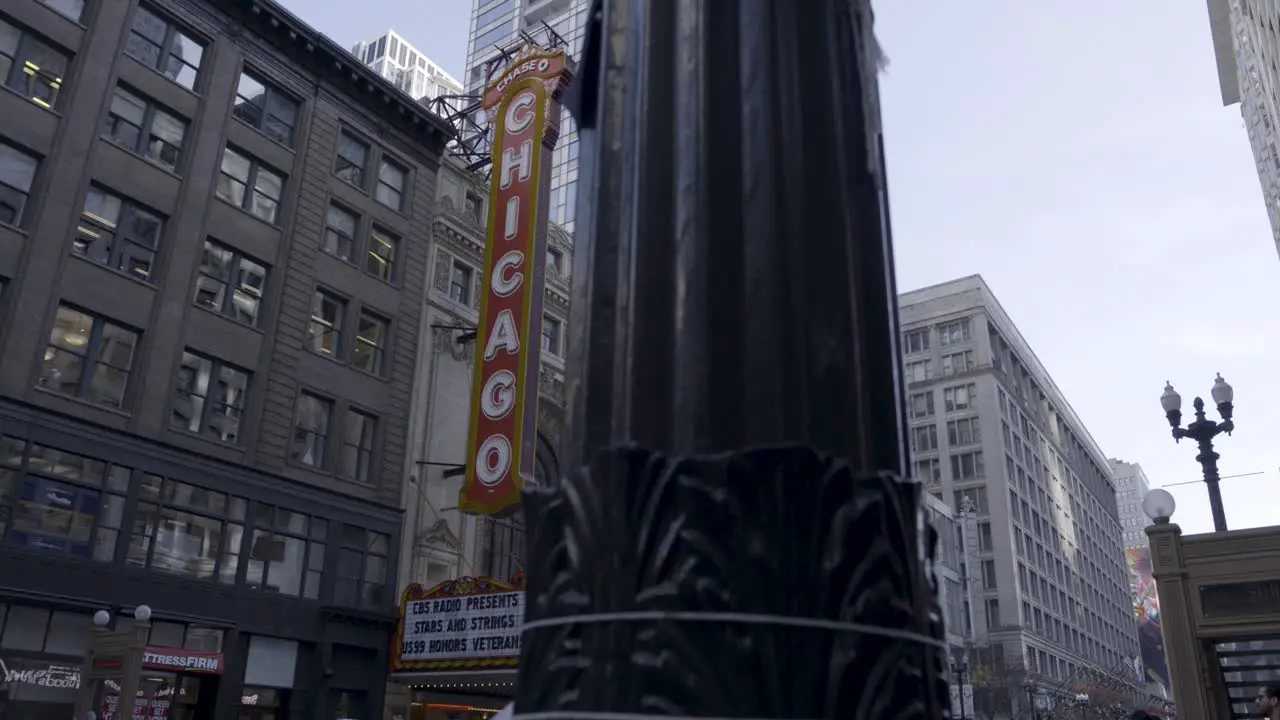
[(1077, 155)]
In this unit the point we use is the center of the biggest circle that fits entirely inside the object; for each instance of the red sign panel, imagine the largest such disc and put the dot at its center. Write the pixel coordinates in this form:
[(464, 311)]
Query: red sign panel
[(183, 661), (524, 107)]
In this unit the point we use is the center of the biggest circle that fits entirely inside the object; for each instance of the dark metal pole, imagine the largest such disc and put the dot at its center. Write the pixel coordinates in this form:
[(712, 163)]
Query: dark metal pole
[(1203, 431), (739, 542), (1208, 460)]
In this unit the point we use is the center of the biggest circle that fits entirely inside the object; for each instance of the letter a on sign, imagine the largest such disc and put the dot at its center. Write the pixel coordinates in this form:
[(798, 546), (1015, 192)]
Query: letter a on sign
[(524, 105)]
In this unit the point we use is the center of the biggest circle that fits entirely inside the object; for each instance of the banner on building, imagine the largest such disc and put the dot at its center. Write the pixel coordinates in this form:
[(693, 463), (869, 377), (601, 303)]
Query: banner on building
[(523, 106), (467, 623), (1146, 606)]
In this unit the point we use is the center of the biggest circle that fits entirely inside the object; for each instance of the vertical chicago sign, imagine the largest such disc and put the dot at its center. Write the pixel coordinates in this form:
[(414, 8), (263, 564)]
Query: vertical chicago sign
[(523, 105)]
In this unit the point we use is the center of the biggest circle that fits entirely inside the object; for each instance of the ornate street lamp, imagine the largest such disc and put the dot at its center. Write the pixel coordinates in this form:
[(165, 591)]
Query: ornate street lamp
[(1203, 431)]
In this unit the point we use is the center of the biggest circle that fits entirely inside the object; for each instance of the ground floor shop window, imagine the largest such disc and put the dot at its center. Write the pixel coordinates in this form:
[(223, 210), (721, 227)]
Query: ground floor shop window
[(262, 703)]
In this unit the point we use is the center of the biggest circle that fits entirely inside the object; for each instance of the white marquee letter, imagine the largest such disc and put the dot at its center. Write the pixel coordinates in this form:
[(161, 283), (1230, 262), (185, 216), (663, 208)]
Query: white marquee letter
[(503, 283), (493, 460), (512, 223), (521, 161), (503, 336), (517, 122), (498, 398)]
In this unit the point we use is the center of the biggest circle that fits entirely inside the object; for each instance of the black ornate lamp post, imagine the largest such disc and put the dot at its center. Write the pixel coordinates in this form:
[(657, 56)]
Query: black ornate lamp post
[(1203, 431), (732, 536)]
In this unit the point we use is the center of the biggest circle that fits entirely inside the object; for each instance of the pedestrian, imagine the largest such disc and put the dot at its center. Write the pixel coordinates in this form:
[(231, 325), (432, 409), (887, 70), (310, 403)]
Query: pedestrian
[(1268, 702)]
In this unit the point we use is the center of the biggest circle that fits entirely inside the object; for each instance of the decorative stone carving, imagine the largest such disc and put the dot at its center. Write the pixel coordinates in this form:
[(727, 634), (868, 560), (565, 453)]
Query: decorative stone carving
[(551, 385), (440, 280), (444, 340), (440, 535)]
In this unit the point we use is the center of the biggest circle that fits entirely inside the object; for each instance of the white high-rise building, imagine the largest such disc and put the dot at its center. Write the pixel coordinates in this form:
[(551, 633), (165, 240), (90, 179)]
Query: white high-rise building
[(496, 26), (1131, 486), (1048, 581), (405, 66), (1247, 48)]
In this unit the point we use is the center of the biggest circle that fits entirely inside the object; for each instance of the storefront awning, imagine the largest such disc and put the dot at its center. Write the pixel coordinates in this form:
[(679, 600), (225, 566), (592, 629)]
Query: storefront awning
[(484, 682)]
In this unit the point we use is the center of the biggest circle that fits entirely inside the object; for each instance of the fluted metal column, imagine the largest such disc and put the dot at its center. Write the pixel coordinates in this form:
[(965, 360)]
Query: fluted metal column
[(738, 542)]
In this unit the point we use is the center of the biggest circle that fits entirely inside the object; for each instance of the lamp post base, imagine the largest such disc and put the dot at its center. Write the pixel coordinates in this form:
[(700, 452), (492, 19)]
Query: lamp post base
[(767, 583)]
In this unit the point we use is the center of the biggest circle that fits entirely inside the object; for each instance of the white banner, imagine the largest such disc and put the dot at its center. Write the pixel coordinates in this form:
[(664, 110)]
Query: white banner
[(471, 626)]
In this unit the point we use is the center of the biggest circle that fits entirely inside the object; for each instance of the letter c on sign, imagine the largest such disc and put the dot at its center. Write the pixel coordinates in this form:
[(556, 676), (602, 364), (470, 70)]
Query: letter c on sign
[(497, 399), (518, 121), (504, 283), (493, 459)]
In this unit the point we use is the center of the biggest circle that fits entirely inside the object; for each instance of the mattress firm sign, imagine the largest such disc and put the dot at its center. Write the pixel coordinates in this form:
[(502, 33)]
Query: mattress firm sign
[(467, 623), (478, 626)]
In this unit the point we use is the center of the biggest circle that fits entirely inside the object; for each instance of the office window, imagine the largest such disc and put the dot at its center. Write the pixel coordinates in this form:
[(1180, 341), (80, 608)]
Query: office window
[(460, 281), (117, 233), (340, 232), (141, 127), (352, 159), (358, 431), (993, 612), (963, 432), (957, 363), (183, 529), (230, 283), (965, 466), (916, 341), (924, 438), (311, 430), (88, 357), (989, 574), (920, 405), (984, 536), (918, 371), (976, 498), (960, 397), (265, 108), (325, 332), (391, 184), (31, 67), (248, 184), (552, 330), (371, 343), (362, 569), (555, 261), (163, 47), (63, 503), (382, 254), (210, 397), (287, 554), (928, 471), (17, 174), (953, 333)]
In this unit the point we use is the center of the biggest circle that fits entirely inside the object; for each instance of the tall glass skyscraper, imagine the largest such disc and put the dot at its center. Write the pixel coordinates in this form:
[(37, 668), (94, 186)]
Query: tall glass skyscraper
[(496, 25)]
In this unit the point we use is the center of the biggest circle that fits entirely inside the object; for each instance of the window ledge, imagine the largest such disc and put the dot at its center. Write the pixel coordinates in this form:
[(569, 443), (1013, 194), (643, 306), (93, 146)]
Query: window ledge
[(329, 474), (84, 403), (242, 211), (15, 229), (226, 318), (267, 137), (117, 272), (167, 79), (206, 440), (162, 168), (15, 93)]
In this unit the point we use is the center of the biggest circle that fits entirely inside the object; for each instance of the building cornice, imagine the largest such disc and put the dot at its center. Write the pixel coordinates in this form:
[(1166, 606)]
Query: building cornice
[(316, 52)]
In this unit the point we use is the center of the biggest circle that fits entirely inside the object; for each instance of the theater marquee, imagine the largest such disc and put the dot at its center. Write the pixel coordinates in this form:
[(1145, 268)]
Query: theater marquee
[(523, 104), (468, 623)]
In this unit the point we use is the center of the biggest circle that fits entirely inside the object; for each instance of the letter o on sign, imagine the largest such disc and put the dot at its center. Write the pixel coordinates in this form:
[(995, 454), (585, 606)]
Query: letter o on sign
[(493, 460)]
